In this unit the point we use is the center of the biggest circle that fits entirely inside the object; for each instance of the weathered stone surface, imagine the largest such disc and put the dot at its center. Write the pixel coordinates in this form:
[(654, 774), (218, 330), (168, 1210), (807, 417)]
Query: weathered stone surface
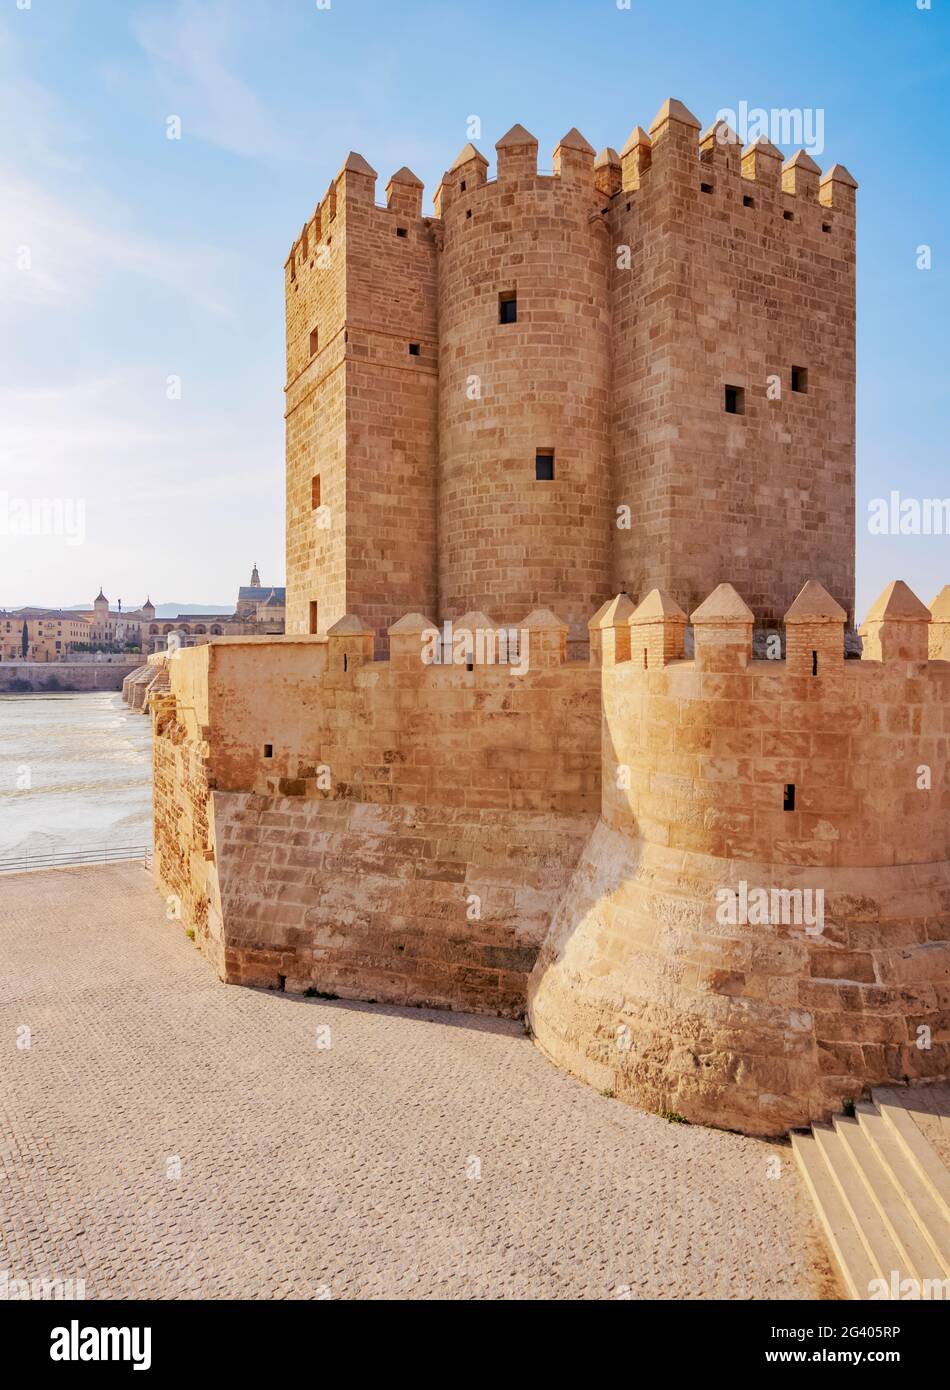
[(327, 1148), (400, 368)]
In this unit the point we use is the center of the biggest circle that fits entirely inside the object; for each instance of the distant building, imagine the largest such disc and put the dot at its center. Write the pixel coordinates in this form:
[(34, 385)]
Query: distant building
[(41, 634), (117, 627), (259, 612)]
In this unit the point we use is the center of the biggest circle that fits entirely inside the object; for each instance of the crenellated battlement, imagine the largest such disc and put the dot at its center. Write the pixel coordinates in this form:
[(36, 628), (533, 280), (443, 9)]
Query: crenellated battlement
[(757, 930), (666, 332), (462, 779), (898, 628), (646, 160), (520, 747)]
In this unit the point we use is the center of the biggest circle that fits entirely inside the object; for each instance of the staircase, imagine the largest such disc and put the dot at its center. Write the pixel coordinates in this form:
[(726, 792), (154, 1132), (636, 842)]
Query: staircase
[(882, 1194)]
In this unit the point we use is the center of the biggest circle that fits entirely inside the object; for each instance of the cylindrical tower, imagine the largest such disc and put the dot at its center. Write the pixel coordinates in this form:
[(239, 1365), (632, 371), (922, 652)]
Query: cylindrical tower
[(524, 491)]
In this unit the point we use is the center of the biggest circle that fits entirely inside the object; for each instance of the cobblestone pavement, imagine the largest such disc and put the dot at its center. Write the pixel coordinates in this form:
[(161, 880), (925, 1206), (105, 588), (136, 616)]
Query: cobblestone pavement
[(347, 1170)]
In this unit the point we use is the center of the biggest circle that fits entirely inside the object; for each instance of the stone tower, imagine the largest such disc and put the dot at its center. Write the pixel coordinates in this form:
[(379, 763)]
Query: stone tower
[(637, 370)]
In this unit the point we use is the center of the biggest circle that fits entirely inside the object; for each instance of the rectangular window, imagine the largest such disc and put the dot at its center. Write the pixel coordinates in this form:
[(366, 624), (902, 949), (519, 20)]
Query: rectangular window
[(826, 226), (508, 307), (544, 465), (314, 338), (735, 400), (315, 491), (789, 803), (703, 188), (414, 349), (268, 750), (789, 216), (800, 379), (748, 202), (313, 616), (402, 231)]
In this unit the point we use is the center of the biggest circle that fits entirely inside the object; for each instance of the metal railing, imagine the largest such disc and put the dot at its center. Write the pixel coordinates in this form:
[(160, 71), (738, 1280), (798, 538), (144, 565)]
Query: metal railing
[(62, 858)]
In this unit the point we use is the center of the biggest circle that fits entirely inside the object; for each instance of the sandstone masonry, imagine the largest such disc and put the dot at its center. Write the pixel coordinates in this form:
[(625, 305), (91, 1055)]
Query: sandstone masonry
[(371, 808), (588, 324)]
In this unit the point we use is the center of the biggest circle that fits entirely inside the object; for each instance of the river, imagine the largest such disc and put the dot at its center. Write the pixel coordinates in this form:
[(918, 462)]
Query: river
[(75, 773)]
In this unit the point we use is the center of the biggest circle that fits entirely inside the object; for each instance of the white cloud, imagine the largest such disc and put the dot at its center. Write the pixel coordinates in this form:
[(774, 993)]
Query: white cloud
[(191, 52), (166, 496), (50, 251)]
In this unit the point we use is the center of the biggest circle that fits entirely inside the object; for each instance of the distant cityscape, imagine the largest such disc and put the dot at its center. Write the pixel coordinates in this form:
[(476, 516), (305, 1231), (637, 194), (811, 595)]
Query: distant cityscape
[(63, 634)]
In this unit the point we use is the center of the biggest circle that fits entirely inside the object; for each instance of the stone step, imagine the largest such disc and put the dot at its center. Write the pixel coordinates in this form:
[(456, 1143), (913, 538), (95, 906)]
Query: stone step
[(887, 1187), (927, 1213), (933, 1173), (849, 1253), (881, 1194), (882, 1250)]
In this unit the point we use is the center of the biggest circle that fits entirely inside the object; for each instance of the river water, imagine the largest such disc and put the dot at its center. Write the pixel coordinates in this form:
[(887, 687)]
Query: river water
[(75, 773)]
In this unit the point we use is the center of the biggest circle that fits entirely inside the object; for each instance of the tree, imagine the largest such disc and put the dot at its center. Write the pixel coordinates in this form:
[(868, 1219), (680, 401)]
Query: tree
[(25, 641)]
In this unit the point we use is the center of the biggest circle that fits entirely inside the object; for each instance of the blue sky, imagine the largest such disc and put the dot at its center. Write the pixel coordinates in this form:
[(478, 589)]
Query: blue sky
[(150, 258)]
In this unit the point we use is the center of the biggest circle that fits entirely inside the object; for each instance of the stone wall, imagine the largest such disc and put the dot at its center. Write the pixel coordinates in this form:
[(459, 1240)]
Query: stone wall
[(646, 283), (69, 676), (392, 829), (429, 834), (444, 906), (508, 541), (738, 269), (719, 772)]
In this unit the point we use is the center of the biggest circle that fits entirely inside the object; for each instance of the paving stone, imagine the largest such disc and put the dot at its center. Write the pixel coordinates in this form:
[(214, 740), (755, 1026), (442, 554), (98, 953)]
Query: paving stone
[(306, 1168)]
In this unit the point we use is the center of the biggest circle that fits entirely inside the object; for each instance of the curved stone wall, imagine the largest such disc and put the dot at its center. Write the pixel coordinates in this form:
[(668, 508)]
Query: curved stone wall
[(759, 927), (507, 541)]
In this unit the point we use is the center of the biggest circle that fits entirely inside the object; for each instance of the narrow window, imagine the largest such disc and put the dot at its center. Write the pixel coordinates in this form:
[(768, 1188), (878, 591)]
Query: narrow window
[(468, 214), (414, 349), (789, 216), (470, 666), (748, 202), (800, 379), (268, 750), (315, 491), (462, 186), (346, 661), (314, 339), (703, 188), (826, 226), (544, 465), (402, 231), (313, 616), (508, 307), (789, 797), (735, 400), (628, 207), (645, 662), (814, 663)]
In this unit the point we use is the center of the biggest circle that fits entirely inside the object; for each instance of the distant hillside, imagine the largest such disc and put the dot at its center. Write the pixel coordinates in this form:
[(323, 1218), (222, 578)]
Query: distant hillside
[(171, 610), (166, 610)]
